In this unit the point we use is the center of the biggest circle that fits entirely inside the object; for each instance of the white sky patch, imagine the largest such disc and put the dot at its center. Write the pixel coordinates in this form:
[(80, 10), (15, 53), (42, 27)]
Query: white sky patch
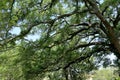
[(111, 57), (16, 31), (33, 37)]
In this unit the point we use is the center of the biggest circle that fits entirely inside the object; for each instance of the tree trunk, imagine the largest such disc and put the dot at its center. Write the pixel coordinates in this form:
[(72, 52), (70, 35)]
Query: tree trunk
[(110, 32)]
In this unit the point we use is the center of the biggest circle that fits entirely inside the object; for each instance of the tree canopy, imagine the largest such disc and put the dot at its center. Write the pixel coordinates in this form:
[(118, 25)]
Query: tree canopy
[(73, 37)]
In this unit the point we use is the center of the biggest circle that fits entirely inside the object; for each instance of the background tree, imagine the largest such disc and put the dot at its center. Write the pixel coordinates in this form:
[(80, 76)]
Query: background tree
[(107, 74)]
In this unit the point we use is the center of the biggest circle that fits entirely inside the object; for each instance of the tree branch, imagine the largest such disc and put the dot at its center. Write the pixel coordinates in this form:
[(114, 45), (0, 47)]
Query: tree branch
[(110, 32), (81, 58)]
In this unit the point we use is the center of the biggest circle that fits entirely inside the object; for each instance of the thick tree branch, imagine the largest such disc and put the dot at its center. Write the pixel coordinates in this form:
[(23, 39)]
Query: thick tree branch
[(52, 21), (110, 32), (89, 44), (81, 58)]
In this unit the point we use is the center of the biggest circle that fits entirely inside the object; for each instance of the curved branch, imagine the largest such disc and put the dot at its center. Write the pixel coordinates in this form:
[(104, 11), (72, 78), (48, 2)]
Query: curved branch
[(110, 32), (81, 58)]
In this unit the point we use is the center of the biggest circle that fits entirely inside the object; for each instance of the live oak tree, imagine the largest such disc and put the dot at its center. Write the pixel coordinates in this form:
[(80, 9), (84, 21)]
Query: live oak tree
[(73, 37)]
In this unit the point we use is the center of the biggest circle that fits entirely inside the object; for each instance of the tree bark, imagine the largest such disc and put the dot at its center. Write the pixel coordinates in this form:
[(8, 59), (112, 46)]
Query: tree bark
[(110, 32)]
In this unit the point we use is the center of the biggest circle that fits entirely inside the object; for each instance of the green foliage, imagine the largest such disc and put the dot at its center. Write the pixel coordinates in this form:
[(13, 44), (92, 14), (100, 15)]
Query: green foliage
[(71, 40), (8, 68), (105, 74)]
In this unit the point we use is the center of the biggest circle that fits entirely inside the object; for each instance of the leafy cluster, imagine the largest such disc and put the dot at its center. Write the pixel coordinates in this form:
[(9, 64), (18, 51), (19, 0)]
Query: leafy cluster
[(74, 37)]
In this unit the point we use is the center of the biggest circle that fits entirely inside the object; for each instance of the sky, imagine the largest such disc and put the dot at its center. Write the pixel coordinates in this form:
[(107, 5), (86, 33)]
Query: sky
[(17, 31)]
